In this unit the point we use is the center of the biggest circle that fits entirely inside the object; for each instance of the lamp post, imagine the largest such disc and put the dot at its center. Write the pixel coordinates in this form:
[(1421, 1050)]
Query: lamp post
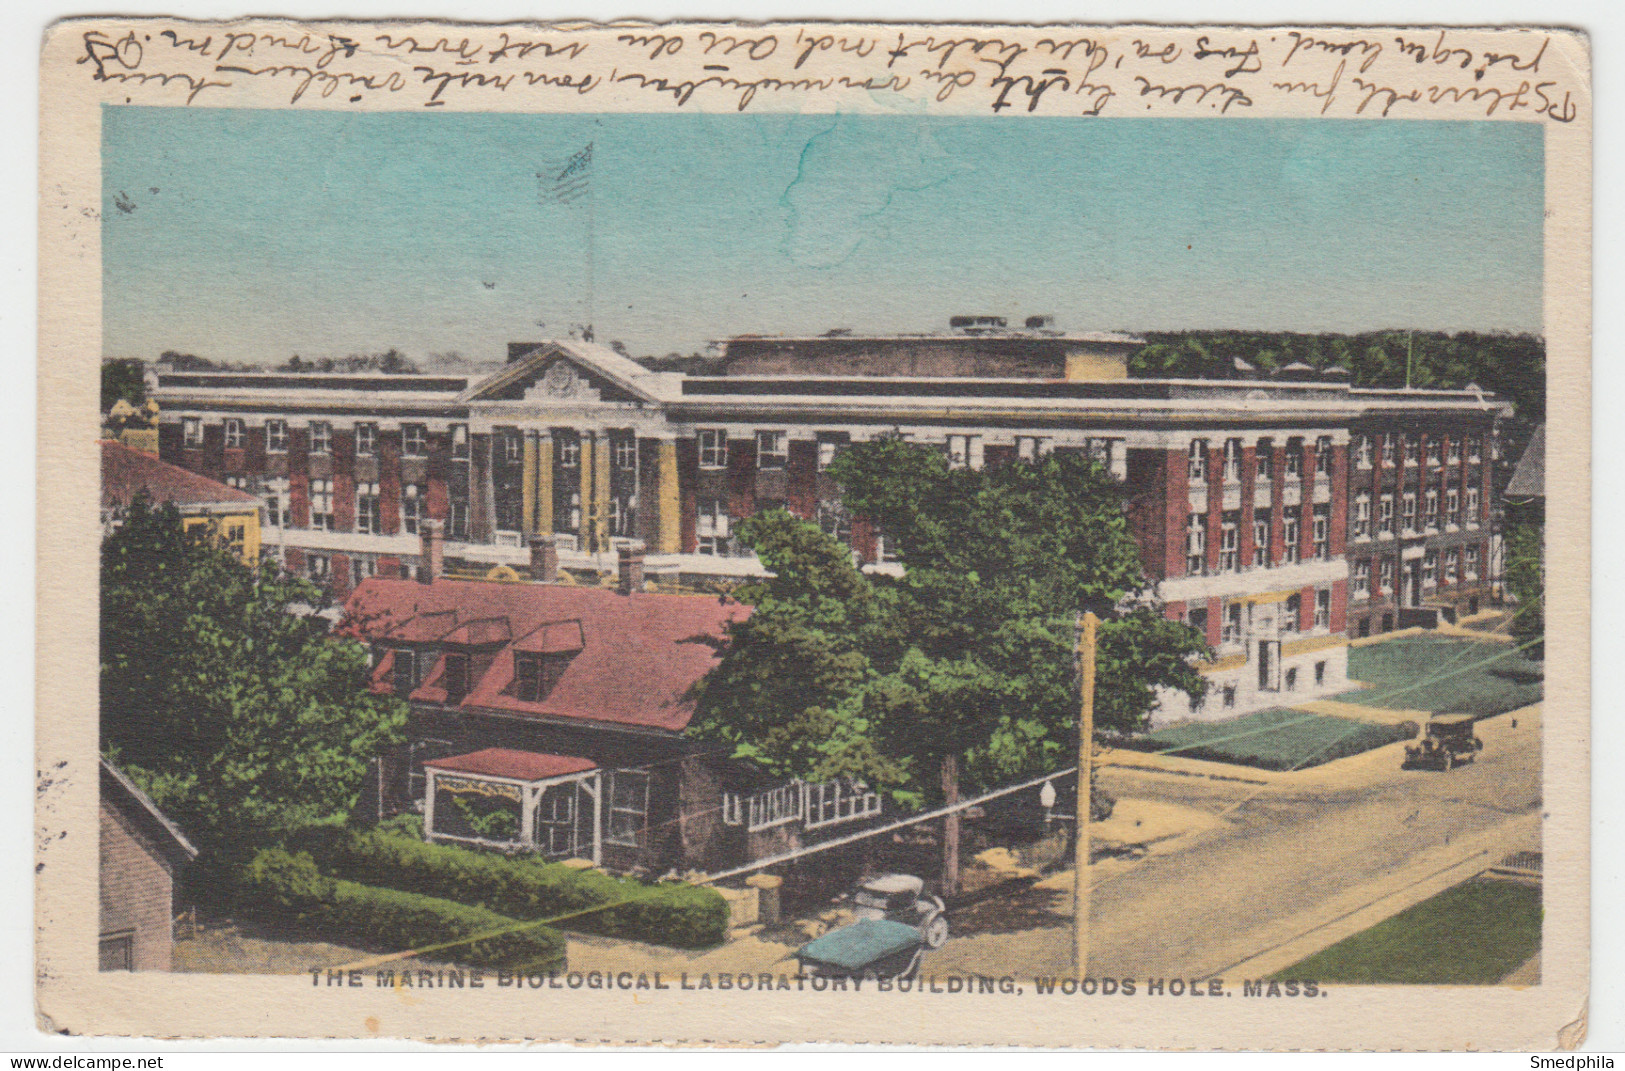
[(1086, 739)]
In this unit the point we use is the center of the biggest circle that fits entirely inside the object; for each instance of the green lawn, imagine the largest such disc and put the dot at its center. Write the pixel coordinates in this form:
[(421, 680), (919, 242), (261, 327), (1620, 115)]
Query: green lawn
[(1439, 674), (1474, 934), (1275, 739)]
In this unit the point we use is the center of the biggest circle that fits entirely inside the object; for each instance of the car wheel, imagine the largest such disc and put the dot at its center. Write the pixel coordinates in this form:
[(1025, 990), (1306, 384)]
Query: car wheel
[(935, 932)]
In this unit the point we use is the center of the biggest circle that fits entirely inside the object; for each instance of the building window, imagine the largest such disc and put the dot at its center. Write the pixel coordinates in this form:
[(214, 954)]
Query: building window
[(192, 431), (513, 446), (1361, 528), (275, 497), (1452, 505), (1320, 534), (1434, 452), (1196, 545), (234, 433), (1232, 460), (1430, 569), (1430, 509), (1323, 456), (1229, 696), (771, 449), (1032, 447), (1362, 451), (1261, 537), (1291, 679), (1229, 542), (1413, 450), (575, 511), (116, 951), (362, 568), (412, 504), (1388, 450), (239, 482), (237, 537), (1292, 530), (713, 448), (1385, 514), (457, 520), (1294, 458), (321, 437), (276, 436), (1265, 459), (1196, 618), (536, 675), (366, 508), (1475, 449), (1230, 633), (415, 441), (625, 451), (1323, 608), (318, 567), (1292, 613), (1362, 579), (827, 451), (1453, 451), (454, 678), (621, 515), (569, 451), (366, 440), (628, 806), (1385, 576), (1408, 513), (1472, 505), (1452, 563), (1320, 674), (321, 503), (712, 527), (1198, 460), (834, 522), (1471, 572), (964, 451), (459, 441)]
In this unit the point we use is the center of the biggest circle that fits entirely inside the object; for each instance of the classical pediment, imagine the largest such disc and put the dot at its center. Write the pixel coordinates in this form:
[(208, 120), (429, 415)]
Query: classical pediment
[(579, 373)]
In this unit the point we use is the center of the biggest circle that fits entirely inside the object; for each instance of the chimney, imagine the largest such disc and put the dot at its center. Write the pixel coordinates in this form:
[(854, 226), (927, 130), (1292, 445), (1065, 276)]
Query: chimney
[(631, 568), (431, 558), (544, 559)]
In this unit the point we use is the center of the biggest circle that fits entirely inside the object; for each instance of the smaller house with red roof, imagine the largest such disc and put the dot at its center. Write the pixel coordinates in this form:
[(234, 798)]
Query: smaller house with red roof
[(550, 717), (128, 473)]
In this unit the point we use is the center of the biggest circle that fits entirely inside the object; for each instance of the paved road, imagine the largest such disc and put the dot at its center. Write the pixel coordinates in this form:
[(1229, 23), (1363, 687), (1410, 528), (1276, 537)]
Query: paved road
[(1225, 895)]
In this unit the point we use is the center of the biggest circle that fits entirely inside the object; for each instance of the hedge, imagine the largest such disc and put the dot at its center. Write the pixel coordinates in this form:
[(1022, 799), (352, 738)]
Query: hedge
[(673, 914), (289, 888)]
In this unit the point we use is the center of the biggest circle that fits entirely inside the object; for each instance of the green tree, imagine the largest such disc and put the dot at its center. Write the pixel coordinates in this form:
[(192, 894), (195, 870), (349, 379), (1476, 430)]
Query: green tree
[(1526, 580), (968, 655), (122, 380), (239, 715)]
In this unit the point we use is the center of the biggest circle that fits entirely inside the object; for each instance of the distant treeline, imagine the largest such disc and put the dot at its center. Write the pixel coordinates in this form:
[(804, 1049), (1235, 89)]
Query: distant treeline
[(1510, 365)]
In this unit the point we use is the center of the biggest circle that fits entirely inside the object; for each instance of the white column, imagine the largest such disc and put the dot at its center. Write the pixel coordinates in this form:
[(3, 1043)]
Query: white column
[(529, 796), (428, 804), (597, 818)]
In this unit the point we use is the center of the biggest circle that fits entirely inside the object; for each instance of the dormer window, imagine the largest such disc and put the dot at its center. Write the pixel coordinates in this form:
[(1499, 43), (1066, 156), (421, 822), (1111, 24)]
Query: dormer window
[(404, 673), (536, 675), (455, 677)]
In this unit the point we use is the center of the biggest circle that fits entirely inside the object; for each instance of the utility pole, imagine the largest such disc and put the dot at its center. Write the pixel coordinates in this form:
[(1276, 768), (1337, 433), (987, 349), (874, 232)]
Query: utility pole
[(1086, 744)]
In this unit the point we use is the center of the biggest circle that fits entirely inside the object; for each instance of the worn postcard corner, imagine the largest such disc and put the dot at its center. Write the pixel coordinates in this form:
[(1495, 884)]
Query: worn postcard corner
[(751, 534)]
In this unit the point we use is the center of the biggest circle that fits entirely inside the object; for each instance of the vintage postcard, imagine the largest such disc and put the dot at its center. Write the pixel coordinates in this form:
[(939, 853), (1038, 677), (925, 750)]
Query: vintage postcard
[(746, 534)]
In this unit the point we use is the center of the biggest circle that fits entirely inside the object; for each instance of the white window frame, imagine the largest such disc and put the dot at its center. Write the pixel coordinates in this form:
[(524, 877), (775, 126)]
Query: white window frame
[(1197, 468), (414, 503), (1407, 517), (321, 495), (1264, 461), (1323, 608), (772, 449), (569, 450), (1291, 537), (1471, 504), (638, 782), (1362, 578), (713, 527), (1362, 452), (1230, 626), (513, 446), (275, 495), (1196, 544), (321, 437), (276, 436), (1261, 537), (1033, 447), (713, 447), (1430, 568), (415, 440), (828, 450), (1451, 566), (1470, 563), (1385, 514), (1323, 456), (367, 517), (624, 449), (1294, 459), (318, 566), (1452, 451), (1390, 449), (1320, 533), (1452, 505), (1232, 461), (964, 451), (191, 431), (1362, 516), (1230, 541), (234, 433), (459, 442), (1385, 576), (1430, 509), (366, 439)]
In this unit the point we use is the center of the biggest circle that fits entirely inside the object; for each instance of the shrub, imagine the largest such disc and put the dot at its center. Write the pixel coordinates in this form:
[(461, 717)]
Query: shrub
[(673, 914), (287, 887)]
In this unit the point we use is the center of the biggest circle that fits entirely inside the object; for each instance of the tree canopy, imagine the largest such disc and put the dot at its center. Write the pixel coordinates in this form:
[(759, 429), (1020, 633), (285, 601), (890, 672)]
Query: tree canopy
[(237, 713), (969, 653)]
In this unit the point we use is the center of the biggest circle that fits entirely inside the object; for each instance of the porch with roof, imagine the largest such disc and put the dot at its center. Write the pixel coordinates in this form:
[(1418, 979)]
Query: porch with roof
[(467, 798)]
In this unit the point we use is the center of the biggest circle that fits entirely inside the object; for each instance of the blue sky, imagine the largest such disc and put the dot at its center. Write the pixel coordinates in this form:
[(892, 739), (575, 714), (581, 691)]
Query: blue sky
[(248, 235)]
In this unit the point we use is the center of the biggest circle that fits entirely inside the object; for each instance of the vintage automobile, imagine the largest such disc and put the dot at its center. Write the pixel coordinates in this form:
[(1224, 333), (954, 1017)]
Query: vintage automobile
[(1448, 742), (902, 898), (870, 948)]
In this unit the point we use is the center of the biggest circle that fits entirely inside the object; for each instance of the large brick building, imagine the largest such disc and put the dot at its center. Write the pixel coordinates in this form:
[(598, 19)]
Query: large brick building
[(1279, 515)]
